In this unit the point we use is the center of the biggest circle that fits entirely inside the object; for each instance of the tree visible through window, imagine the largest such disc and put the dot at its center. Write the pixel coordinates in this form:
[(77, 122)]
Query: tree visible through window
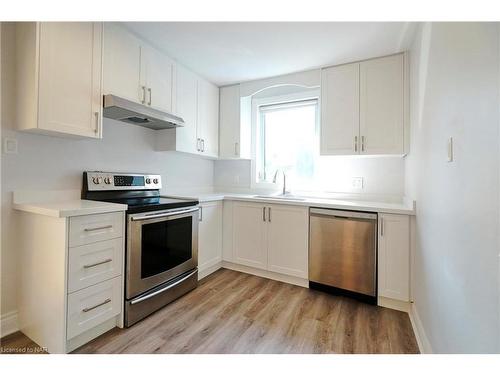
[(288, 141)]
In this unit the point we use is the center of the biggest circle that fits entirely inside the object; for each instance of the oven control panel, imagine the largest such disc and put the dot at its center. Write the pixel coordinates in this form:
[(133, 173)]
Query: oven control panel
[(121, 181)]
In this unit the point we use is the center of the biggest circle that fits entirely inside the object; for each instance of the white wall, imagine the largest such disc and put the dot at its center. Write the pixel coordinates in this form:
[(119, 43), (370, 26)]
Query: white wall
[(455, 86), (56, 163)]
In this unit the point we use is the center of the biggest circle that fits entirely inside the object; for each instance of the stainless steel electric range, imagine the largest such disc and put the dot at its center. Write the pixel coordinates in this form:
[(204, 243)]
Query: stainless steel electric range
[(161, 239)]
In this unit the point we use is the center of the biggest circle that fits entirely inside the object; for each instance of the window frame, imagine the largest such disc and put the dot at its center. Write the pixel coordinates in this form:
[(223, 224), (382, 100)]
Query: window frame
[(257, 103)]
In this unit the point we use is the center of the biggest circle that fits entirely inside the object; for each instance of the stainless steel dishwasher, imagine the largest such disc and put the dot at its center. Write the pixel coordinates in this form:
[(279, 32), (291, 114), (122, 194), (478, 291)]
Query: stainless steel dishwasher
[(343, 253)]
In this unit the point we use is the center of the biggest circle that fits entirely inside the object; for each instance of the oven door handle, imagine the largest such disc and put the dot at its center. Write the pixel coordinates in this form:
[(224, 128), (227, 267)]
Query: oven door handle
[(165, 214), (143, 298)]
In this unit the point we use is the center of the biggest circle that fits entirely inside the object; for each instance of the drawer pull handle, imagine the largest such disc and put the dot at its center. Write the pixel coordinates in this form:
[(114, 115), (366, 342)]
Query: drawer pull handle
[(87, 309), (98, 228), (97, 264)]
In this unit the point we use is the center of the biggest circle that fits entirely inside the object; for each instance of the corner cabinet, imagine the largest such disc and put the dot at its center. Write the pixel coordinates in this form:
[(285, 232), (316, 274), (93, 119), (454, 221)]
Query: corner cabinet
[(394, 256), (136, 71), (59, 71), (197, 102), (209, 238), (234, 124), (364, 107), (270, 237)]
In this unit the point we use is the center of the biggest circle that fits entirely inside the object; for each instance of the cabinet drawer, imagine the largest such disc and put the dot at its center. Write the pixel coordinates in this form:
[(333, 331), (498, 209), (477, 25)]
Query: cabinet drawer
[(93, 228), (90, 264), (92, 306)]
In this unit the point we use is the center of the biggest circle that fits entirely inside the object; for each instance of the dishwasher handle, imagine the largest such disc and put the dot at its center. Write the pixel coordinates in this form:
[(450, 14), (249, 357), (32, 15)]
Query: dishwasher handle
[(341, 213)]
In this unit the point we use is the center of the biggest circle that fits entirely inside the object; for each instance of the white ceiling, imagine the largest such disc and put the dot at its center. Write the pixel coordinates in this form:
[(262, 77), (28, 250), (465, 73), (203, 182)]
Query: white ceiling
[(231, 52)]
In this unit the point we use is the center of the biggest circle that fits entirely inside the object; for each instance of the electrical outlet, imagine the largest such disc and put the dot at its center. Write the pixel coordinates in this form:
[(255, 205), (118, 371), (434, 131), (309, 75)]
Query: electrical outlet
[(10, 145), (357, 183)]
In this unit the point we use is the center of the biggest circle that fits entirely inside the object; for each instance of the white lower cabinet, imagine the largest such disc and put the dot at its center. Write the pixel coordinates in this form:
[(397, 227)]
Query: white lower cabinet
[(71, 283), (92, 306), (209, 238), (271, 237), (250, 234), (394, 256), (287, 241)]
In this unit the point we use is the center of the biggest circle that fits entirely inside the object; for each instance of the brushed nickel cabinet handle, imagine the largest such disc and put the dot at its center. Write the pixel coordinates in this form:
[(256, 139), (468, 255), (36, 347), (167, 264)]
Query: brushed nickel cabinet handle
[(98, 263), (263, 214), (202, 145), (149, 90), (87, 309), (269, 214), (363, 143), (355, 143), (96, 128), (98, 228), (143, 100)]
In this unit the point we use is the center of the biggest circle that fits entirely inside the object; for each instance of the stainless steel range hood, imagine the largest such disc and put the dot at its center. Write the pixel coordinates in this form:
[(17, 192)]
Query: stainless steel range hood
[(120, 109)]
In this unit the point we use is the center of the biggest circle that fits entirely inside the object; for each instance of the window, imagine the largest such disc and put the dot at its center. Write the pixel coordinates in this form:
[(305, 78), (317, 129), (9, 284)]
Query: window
[(287, 140)]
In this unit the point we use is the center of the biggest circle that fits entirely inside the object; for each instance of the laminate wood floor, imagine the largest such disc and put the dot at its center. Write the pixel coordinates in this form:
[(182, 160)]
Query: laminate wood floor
[(233, 312)]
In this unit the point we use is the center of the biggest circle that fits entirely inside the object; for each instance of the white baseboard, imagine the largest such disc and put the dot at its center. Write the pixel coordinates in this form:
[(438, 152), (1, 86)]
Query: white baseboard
[(423, 342), (205, 271), (394, 304), (267, 274), (8, 324)]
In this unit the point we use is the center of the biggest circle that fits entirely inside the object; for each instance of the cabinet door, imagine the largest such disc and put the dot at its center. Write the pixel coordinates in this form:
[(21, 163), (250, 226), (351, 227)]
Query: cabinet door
[(187, 103), (122, 64), (288, 240), (229, 122), (210, 235), (381, 106), (394, 257), (249, 235), (340, 110), (158, 70), (70, 74), (208, 117)]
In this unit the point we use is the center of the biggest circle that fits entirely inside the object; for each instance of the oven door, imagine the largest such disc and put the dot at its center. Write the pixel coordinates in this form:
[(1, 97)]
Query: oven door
[(160, 246)]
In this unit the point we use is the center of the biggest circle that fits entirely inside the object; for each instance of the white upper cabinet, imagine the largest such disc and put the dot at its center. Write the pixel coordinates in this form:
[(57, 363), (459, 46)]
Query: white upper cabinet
[(363, 108), (208, 118), (187, 108), (197, 102), (234, 123), (59, 71), (394, 257), (157, 72), (229, 122), (136, 71), (381, 102), (340, 110), (122, 64)]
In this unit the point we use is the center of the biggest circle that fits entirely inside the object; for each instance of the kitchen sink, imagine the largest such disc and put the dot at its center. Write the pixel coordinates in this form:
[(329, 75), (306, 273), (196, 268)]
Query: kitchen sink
[(281, 197)]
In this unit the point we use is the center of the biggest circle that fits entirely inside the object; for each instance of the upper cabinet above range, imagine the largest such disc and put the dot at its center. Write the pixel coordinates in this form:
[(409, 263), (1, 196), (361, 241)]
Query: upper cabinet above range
[(364, 107), (136, 71), (58, 78)]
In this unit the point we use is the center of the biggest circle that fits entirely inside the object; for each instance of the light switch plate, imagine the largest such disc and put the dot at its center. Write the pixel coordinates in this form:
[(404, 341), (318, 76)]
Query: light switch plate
[(357, 183), (10, 145)]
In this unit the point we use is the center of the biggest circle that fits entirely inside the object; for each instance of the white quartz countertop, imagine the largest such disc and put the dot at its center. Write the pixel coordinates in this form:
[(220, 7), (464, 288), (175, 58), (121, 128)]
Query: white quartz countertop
[(75, 207), (354, 205)]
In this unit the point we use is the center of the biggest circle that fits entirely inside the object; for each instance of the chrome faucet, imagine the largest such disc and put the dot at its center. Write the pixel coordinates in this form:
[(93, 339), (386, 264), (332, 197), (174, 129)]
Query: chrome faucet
[(285, 192)]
